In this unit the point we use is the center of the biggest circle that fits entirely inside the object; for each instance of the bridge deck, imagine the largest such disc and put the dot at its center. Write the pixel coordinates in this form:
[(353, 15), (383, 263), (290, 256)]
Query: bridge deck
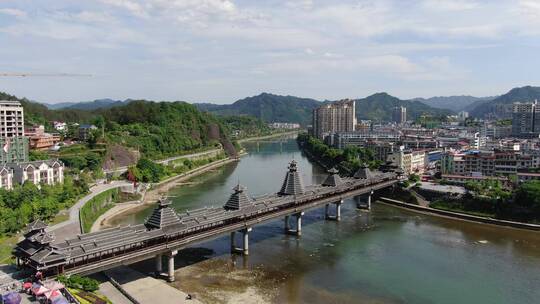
[(102, 250)]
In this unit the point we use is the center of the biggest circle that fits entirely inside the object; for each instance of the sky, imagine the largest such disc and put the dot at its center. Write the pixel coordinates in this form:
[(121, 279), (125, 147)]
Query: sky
[(223, 50)]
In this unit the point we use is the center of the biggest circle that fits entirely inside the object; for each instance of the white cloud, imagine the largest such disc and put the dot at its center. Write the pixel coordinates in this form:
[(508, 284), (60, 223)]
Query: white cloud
[(131, 6), (13, 12), (450, 5)]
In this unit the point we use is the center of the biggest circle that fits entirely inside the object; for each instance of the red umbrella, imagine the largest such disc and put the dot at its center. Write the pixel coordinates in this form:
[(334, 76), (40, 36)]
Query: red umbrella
[(27, 285), (39, 290), (52, 294)]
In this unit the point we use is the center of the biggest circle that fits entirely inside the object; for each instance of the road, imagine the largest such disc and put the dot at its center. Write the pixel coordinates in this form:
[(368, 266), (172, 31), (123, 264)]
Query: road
[(72, 227), (121, 170)]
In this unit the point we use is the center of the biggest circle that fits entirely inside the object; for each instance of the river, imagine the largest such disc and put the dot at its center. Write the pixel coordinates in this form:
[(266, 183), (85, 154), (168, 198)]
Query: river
[(385, 256)]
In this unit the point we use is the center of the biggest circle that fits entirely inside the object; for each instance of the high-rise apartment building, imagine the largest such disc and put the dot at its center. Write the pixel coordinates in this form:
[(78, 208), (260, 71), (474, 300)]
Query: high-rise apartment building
[(399, 115), (11, 119), (525, 118), (339, 116), (13, 143)]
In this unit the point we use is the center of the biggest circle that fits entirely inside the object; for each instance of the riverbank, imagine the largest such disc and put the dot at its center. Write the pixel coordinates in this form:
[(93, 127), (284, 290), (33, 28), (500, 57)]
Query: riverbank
[(151, 196), (459, 216)]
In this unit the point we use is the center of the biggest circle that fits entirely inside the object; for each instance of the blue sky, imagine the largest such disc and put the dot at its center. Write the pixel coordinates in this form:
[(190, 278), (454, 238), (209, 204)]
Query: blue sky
[(222, 50)]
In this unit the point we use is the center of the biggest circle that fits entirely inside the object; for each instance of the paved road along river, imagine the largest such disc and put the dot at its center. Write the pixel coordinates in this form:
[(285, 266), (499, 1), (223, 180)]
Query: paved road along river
[(386, 256)]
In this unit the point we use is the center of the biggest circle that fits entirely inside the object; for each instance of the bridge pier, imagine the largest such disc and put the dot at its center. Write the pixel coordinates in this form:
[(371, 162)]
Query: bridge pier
[(171, 256), (245, 244), (337, 216), (159, 264), (298, 230), (367, 198)]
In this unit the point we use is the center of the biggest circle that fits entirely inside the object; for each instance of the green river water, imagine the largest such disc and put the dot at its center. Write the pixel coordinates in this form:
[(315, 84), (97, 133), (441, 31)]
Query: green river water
[(386, 256)]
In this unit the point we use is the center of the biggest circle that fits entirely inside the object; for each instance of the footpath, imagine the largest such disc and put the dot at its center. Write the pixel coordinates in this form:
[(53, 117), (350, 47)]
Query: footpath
[(459, 216), (71, 227), (141, 288)]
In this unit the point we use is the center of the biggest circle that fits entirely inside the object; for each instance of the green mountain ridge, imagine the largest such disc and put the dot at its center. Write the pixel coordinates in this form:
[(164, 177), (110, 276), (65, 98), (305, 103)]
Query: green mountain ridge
[(453, 103), (277, 108), (502, 106)]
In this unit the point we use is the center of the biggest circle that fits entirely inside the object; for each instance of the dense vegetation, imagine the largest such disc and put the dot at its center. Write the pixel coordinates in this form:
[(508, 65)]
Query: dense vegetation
[(245, 126), (348, 159), (161, 129), (155, 129), (26, 203), (79, 282), (268, 108), (492, 198)]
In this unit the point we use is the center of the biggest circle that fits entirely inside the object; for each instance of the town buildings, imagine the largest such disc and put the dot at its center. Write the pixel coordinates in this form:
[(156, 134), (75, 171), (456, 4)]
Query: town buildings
[(399, 115), (334, 117), (60, 126), (409, 161), (487, 163), (526, 119), (39, 139), (284, 125), (47, 172), (85, 130)]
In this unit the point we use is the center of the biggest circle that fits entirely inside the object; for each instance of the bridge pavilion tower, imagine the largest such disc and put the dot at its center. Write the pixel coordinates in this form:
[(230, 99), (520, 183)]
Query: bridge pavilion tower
[(293, 185), (164, 216), (364, 173), (333, 180), (239, 201)]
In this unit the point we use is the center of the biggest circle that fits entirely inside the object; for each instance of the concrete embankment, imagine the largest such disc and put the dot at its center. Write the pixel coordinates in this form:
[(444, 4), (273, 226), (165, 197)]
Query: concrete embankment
[(459, 216), (140, 288), (153, 195)]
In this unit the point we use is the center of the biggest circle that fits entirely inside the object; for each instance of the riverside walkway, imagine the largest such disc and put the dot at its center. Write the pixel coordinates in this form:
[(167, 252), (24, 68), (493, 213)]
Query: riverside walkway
[(165, 231)]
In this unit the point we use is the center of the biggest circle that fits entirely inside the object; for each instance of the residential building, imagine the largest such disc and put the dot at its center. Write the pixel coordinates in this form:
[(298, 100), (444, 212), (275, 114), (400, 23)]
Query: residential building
[(525, 119), (11, 119), (334, 117), (487, 163), (409, 161), (399, 115), (343, 139), (463, 115), (60, 126), (39, 140), (6, 177), (84, 131), (48, 172), (13, 143), (462, 179)]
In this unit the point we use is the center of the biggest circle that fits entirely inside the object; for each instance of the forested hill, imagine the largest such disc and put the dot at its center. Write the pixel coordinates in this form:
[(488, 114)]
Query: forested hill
[(502, 105), (454, 103), (268, 107), (275, 108), (379, 107), (157, 129)]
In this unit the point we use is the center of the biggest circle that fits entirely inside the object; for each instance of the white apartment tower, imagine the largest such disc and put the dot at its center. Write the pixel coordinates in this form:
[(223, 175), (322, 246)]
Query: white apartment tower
[(13, 143), (11, 119)]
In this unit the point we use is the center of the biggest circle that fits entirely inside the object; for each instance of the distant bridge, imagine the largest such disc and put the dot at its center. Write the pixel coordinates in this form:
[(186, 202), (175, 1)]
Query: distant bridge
[(165, 231)]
